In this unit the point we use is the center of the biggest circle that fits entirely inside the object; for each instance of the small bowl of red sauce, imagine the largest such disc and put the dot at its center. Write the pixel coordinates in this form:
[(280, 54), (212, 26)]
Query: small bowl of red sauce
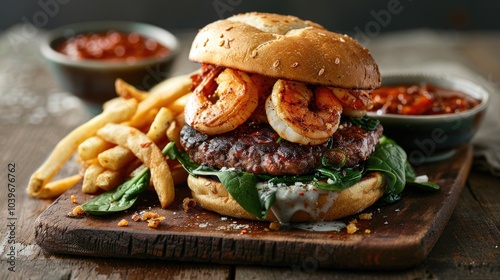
[(429, 115), (86, 58)]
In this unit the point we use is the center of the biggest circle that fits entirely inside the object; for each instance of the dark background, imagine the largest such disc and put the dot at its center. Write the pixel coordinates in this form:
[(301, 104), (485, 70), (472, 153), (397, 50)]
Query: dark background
[(340, 16)]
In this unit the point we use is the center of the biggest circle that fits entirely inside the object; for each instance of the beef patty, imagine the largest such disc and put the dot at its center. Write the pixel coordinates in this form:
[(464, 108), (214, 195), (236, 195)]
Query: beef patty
[(257, 148)]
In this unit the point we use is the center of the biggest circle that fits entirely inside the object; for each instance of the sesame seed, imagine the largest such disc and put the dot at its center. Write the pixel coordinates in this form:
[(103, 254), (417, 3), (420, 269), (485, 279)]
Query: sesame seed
[(276, 63), (229, 28), (342, 40), (205, 43), (221, 43), (321, 71), (228, 45), (337, 60), (253, 54), (295, 64)]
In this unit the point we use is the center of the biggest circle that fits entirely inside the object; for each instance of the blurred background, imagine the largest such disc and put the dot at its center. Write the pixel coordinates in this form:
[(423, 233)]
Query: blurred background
[(351, 17)]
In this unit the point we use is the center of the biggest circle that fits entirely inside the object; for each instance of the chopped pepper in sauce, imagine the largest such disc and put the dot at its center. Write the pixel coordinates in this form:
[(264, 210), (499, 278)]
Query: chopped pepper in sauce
[(422, 99), (111, 45)]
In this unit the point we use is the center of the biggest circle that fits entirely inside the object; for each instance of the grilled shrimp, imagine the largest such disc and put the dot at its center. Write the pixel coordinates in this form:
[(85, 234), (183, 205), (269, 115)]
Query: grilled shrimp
[(355, 102), (221, 110), (302, 116), (264, 86)]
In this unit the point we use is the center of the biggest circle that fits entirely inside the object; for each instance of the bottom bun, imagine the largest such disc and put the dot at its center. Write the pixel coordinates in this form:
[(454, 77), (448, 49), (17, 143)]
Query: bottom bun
[(294, 203)]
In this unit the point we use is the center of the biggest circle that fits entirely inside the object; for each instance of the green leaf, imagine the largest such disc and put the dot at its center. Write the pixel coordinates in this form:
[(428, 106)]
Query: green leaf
[(424, 186), (338, 180), (390, 159), (365, 122), (409, 172), (120, 198)]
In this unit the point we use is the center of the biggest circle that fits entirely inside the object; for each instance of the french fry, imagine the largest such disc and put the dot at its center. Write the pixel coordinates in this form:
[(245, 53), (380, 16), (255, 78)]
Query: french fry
[(147, 151), (57, 187), (173, 133), (115, 158), (161, 96), (109, 179), (128, 91), (92, 147), (174, 130), (90, 177), (160, 124), (178, 105), (118, 111)]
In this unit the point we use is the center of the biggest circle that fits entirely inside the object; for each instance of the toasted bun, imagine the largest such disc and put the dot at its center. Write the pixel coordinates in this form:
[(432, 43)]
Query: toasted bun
[(286, 47), (212, 195)]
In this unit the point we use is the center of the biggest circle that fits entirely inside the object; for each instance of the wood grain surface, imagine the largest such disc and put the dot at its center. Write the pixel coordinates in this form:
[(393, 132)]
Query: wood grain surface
[(401, 235)]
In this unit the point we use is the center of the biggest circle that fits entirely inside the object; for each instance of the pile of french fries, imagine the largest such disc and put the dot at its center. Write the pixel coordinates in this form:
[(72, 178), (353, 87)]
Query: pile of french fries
[(125, 138)]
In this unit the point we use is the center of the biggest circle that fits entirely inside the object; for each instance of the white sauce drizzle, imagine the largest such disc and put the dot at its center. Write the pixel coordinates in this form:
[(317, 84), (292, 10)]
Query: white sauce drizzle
[(320, 226), (300, 196)]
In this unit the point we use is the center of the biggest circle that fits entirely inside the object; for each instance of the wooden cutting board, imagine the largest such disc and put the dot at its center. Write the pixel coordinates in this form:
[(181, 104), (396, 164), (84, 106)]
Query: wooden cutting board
[(400, 235)]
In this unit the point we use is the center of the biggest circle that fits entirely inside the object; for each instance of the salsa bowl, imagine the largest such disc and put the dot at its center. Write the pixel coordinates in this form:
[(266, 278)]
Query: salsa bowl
[(93, 79), (428, 138)]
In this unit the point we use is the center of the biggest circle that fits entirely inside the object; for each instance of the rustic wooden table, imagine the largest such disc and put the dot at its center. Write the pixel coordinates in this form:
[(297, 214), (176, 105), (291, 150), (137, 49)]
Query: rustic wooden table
[(35, 114)]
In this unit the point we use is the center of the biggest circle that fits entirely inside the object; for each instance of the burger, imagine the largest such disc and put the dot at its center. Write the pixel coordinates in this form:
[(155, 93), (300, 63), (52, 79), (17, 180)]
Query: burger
[(276, 127)]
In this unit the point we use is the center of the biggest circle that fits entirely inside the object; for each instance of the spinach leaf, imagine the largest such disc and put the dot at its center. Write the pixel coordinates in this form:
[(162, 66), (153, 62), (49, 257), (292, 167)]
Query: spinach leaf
[(424, 186), (122, 197), (337, 180), (390, 159), (411, 177), (365, 122), (119, 199), (409, 172)]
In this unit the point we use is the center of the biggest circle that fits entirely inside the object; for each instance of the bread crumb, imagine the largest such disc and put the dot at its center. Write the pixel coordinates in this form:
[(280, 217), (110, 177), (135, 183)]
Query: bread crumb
[(351, 227), (274, 226), (367, 231), (136, 217), (149, 215), (155, 222), (188, 203), (123, 223), (152, 218), (77, 211), (73, 198), (365, 216)]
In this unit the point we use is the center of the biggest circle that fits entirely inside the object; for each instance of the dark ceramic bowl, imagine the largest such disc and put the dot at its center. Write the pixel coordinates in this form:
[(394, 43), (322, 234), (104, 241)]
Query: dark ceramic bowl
[(94, 80), (433, 137)]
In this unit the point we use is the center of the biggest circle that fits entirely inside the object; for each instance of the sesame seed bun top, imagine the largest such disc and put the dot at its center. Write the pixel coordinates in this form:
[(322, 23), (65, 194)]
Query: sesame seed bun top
[(286, 47)]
